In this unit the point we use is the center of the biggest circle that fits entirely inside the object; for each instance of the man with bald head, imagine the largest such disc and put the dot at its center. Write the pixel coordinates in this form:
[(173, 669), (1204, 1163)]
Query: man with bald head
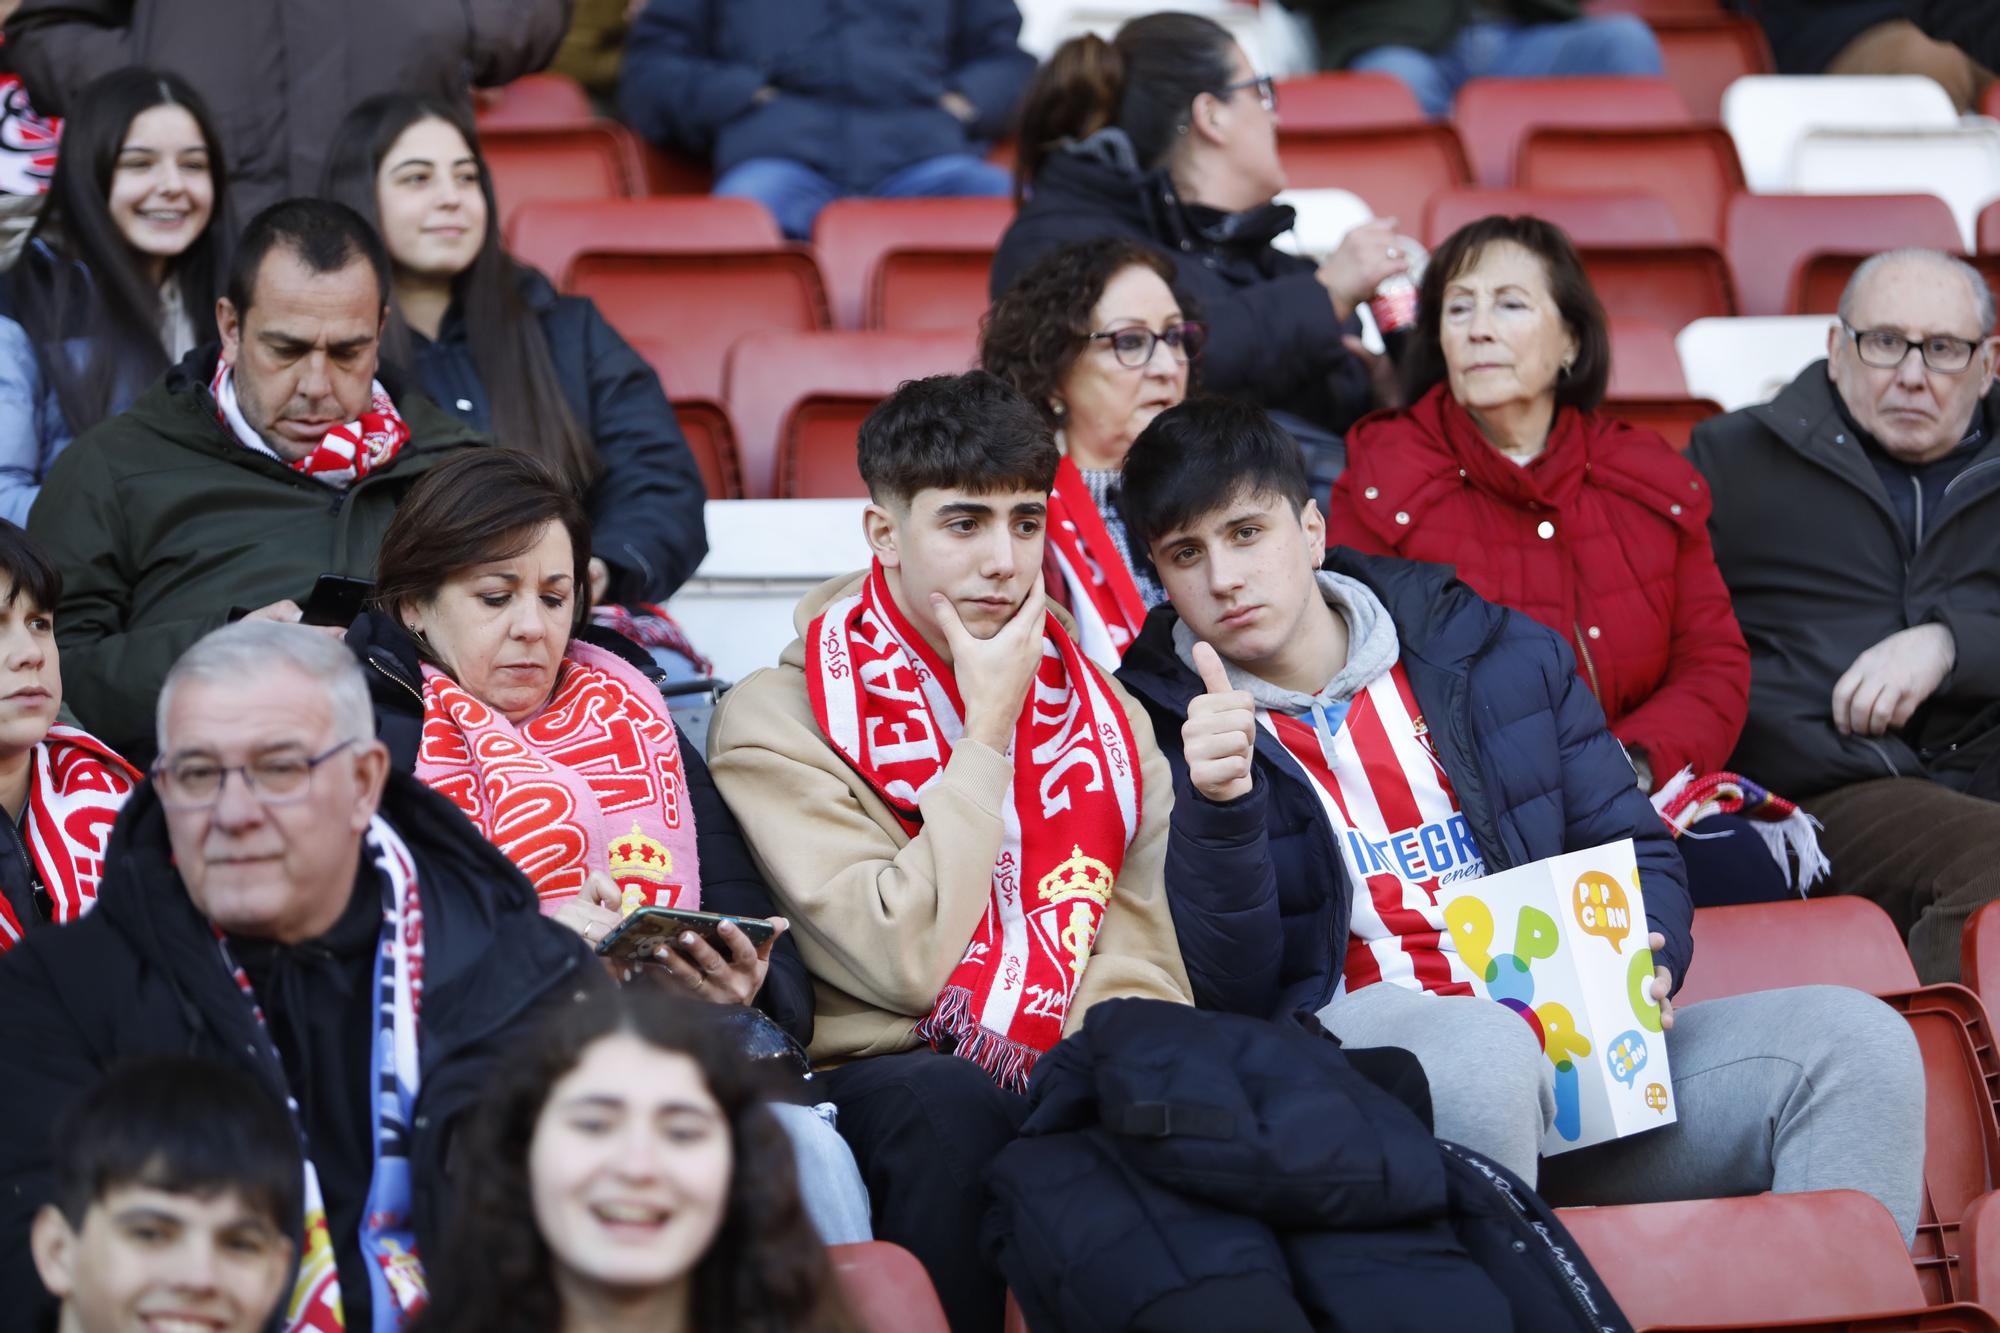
[(1857, 524)]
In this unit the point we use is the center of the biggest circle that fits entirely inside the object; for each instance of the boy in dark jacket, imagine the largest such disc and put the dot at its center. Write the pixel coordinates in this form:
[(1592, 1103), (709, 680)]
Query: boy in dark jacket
[(1308, 713)]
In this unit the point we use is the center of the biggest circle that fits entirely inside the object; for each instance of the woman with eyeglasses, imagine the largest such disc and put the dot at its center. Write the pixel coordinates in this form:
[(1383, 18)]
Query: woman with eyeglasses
[(1504, 467), (1166, 135), (1094, 336)]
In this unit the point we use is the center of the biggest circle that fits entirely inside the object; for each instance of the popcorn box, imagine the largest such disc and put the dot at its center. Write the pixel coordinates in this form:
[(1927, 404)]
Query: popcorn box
[(1562, 942)]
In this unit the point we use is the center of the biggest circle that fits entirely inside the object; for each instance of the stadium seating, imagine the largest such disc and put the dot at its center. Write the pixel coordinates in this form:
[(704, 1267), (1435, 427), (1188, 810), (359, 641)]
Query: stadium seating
[(1989, 229), (1820, 278), (1960, 164), (1493, 116), (589, 160), (1643, 361), (797, 401), (1770, 236), (549, 235), (1705, 53), (1979, 1250), (1608, 217), (1672, 419), (1961, 1131), (534, 100), (909, 263), (1396, 169), (1671, 285), (1766, 115), (1843, 940), (1738, 362), (1692, 167), (888, 1289), (1979, 958), (1347, 100), (711, 438), (1324, 219), (1741, 1262)]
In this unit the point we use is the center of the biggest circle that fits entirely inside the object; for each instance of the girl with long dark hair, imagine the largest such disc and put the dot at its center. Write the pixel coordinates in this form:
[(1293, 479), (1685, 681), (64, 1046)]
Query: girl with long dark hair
[(623, 1172), (490, 340), (120, 275)]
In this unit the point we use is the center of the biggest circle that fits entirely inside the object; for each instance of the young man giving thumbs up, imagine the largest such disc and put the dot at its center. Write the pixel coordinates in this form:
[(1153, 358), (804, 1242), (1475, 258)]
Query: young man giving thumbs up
[(1348, 736)]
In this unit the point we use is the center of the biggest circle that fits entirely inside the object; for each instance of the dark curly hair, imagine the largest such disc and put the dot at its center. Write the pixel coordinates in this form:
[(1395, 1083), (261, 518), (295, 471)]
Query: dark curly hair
[(1035, 332), (766, 1270)]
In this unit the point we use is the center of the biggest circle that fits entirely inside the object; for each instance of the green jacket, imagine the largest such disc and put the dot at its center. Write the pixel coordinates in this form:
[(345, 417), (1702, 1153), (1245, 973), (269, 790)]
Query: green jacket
[(1346, 28), (163, 524)]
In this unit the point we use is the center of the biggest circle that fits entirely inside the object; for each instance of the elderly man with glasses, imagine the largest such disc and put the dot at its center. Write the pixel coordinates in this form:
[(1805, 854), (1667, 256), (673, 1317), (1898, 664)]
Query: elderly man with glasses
[(278, 899), (1857, 524)]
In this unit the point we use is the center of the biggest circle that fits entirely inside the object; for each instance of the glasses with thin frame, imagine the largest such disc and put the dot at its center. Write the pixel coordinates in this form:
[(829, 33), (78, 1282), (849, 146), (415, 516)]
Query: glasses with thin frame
[(1885, 349), (1134, 346), (195, 783), (1266, 86)]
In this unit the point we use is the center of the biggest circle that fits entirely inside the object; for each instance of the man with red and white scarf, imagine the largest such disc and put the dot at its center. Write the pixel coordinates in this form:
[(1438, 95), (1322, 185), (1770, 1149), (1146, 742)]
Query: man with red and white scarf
[(248, 471), (963, 818), (276, 899)]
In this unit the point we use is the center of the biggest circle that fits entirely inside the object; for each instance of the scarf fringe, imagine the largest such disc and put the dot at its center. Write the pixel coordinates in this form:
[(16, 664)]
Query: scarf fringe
[(951, 1029), (1793, 838)]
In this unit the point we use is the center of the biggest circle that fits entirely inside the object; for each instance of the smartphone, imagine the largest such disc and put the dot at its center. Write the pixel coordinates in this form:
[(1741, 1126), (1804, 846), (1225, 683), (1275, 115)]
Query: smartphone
[(336, 600), (646, 929)]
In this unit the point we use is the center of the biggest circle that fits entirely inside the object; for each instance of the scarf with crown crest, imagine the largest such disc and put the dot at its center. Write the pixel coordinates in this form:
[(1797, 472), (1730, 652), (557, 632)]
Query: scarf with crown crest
[(1103, 595)]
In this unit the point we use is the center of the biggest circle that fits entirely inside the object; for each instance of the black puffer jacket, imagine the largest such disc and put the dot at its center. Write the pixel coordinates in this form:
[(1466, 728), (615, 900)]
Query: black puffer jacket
[(1272, 334), (141, 975), (730, 883)]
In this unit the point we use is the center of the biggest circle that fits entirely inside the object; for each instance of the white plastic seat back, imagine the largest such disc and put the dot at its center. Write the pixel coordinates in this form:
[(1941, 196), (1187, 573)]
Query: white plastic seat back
[(1744, 361), (1960, 165), (1766, 114), (1325, 218)]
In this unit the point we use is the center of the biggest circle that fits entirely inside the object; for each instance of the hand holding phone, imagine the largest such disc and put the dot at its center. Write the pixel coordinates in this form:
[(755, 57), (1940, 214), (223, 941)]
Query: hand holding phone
[(718, 958)]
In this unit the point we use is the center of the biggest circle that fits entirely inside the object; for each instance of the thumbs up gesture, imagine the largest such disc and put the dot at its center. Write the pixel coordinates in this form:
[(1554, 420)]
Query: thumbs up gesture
[(1220, 734)]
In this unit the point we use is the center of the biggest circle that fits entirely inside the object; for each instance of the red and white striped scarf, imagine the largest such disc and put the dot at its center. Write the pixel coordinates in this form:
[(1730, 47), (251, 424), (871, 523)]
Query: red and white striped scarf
[(1103, 596), (889, 704), (74, 797), (592, 782), (345, 456)]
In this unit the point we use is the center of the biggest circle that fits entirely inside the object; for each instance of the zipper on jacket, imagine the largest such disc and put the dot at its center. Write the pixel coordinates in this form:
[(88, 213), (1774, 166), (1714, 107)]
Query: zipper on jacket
[(1883, 755), (1918, 487), (1583, 652), (38, 894), (387, 674)]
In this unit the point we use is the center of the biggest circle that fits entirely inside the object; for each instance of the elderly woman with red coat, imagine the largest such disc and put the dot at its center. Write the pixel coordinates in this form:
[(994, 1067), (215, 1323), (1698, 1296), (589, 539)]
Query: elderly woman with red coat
[(1503, 467)]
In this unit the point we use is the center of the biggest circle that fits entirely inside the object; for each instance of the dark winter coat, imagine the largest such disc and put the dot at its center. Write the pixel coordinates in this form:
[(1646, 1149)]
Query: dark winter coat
[(141, 975), (1259, 890), (730, 883), (1346, 28), (163, 524), (1272, 333), (856, 82), (1182, 1170), (278, 75), (1821, 570), (646, 507)]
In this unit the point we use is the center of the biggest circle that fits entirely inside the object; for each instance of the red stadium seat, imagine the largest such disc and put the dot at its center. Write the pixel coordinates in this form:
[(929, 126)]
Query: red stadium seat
[(887, 1288), (1673, 419), (1843, 940), (1770, 234), (1493, 116), (1624, 217), (1670, 285), (1737, 1262), (1989, 101), (1979, 957), (1989, 228), (1347, 100), (703, 421), (1821, 278), (550, 235), (1705, 53), (588, 160), (533, 100), (929, 244), (1979, 1250), (1644, 363), (672, 173), (1961, 1317), (797, 400), (1396, 169), (1694, 168), (1016, 1321)]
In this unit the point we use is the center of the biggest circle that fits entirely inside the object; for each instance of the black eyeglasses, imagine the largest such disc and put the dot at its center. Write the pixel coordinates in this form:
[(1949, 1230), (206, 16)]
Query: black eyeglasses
[(274, 779), (1885, 350), (1267, 90), (1134, 347)]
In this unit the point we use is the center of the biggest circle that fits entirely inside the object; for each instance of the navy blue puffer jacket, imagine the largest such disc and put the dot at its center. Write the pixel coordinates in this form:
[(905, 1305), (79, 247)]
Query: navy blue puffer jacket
[(1259, 891)]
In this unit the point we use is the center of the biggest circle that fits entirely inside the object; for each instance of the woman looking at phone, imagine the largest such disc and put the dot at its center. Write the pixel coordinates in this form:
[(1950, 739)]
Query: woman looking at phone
[(629, 1178)]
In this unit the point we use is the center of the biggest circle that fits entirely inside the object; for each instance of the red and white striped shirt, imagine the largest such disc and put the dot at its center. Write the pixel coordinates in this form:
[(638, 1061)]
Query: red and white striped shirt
[(1400, 832)]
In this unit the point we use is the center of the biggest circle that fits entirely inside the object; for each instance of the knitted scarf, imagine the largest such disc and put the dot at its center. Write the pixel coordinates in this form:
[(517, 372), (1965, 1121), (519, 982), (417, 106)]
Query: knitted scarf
[(75, 793), (1103, 596), (388, 1230), (890, 706), (345, 456), (592, 782), (1788, 831)]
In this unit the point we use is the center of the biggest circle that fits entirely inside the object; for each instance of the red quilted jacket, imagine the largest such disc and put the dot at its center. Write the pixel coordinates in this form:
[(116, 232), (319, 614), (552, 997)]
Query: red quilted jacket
[(1603, 538)]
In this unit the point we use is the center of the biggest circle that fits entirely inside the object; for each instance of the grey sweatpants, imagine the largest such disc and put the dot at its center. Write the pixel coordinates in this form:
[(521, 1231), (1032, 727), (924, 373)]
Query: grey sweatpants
[(1809, 1088)]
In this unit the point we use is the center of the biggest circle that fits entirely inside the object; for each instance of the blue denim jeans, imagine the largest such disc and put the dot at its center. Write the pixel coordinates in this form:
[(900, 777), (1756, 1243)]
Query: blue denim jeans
[(1612, 44), (795, 193)]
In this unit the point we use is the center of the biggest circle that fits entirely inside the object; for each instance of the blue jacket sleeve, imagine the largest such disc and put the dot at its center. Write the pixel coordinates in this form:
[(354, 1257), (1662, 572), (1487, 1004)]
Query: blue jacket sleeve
[(988, 65), (671, 89), (646, 507), (1605, 804), (1223, 890), (22, 456)]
